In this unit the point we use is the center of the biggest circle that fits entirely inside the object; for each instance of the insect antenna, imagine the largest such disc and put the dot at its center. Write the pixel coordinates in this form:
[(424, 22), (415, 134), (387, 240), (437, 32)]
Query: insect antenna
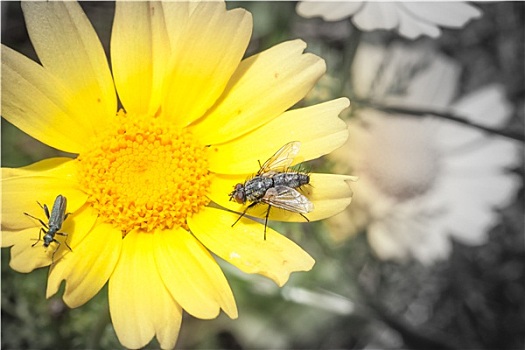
[(40, 220)]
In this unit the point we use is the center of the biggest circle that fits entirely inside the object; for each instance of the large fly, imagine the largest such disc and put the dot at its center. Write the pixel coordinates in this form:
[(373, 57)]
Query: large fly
[(275, 184)]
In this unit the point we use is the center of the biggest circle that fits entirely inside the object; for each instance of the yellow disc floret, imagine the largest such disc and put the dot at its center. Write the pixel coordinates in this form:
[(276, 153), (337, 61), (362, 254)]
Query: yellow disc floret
[(145, 174)]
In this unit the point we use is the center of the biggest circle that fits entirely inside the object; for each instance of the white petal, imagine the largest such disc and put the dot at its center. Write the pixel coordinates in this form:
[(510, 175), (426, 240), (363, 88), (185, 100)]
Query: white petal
[(375, 15), (454, 137), (487, 156), (487, 106), (404, 75), (471, 204), (412, 28), (328, 10), (384, 243), (366, 65), (447, 14), (436, 86), (429, 245)]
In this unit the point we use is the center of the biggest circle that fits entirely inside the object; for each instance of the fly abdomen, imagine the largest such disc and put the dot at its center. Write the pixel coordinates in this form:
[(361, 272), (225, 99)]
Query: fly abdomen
[(293, 180)]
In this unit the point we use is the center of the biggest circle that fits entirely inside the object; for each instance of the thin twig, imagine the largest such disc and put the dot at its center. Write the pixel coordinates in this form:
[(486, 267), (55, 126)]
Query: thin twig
[(441, 114)]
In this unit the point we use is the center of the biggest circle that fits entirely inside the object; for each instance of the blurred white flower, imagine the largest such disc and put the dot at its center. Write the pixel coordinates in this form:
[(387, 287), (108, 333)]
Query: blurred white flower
[(409, 19), (423, 180)]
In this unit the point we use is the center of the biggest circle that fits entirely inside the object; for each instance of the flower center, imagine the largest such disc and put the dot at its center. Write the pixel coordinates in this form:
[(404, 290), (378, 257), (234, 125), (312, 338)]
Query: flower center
[(401, 159), (144, 174)]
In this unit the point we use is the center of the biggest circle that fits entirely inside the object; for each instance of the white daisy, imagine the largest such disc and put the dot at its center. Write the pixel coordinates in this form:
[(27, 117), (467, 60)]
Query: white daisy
[(409, 19), (424, 180)]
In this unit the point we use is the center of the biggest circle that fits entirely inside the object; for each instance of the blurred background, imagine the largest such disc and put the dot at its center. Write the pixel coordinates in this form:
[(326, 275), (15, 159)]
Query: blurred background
[(430, 254)]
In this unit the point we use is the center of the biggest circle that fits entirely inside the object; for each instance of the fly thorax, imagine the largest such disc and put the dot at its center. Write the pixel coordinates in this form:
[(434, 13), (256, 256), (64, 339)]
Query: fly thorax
[(256, 188)]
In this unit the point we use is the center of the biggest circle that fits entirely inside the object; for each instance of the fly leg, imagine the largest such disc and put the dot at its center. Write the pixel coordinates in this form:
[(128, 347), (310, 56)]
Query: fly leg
[(39, 234), (266, 220), (244, 212)]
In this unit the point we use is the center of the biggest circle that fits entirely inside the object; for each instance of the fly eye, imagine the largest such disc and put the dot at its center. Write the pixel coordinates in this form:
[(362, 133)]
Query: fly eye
[(238, 193), (239, 197)]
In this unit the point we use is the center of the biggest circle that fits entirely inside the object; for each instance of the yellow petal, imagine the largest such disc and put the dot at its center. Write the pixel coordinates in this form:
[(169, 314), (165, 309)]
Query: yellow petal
[(262, 88), (139, 302), (40, 105), (192, 276), (28, 251), (51, 167), (24, 257), (69, 48), (329, 193), (243, 245), (176, 17), (139, 54), (42, 182), (318, 128), (87, 267), (207, 53)]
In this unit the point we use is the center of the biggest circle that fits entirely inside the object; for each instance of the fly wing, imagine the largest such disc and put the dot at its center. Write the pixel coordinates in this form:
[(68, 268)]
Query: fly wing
[(287, 198), (281, 160)]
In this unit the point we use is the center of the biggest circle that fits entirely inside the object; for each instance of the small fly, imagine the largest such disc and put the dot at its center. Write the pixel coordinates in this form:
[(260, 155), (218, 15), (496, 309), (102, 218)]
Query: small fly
[(275, 184), (55, 220)]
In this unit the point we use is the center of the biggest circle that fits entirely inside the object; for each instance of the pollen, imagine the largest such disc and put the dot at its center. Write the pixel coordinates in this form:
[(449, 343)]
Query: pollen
[(145, 174)]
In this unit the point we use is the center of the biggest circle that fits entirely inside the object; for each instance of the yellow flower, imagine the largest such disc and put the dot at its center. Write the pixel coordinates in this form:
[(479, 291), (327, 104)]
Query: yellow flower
[(195, 120)]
